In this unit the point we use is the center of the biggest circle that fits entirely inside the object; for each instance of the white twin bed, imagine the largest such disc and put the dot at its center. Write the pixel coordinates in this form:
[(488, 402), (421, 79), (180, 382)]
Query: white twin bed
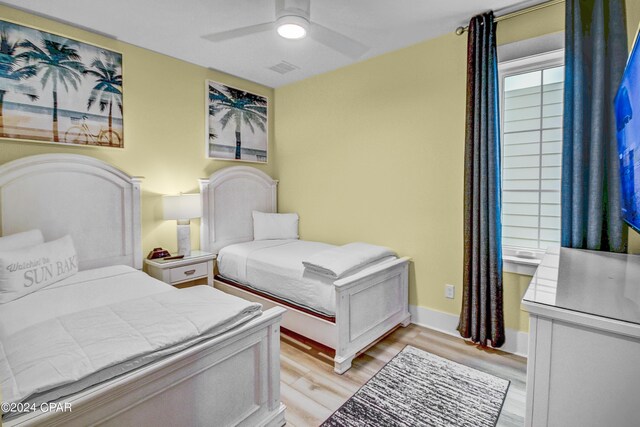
[(118, 346), (347, 314)]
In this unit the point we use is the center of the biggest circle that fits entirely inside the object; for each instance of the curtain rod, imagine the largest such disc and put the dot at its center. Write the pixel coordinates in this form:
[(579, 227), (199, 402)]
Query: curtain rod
[(461, 30)]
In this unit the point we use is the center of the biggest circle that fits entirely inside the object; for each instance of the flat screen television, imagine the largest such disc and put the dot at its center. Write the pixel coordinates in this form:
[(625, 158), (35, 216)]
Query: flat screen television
[(627, 109)]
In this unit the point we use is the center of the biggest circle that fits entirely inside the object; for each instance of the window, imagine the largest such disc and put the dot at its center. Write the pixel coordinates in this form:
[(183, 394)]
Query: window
[(532, 106)]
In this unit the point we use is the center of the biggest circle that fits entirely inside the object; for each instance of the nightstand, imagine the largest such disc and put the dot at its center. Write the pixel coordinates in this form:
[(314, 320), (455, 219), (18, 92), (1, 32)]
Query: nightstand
[(198, 265)]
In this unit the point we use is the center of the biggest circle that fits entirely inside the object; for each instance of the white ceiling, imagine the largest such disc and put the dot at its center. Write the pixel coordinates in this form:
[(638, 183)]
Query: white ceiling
[(176, 28)]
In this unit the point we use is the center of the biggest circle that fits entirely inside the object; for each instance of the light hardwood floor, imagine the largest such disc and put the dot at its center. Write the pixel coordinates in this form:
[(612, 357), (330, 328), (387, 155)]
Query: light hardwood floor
[(312, 392)]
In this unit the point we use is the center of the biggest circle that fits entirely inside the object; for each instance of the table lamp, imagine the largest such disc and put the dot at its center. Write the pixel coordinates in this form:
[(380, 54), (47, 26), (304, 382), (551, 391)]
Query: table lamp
[(182, 208)]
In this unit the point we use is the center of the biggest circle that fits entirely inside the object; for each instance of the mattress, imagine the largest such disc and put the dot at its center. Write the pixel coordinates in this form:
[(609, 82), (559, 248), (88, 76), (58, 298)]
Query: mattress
[(275, 268), (100, 324)]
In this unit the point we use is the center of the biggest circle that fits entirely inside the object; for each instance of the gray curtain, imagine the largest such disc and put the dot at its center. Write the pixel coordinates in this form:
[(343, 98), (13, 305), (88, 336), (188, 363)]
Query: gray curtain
[(481, 318), (595, 57)]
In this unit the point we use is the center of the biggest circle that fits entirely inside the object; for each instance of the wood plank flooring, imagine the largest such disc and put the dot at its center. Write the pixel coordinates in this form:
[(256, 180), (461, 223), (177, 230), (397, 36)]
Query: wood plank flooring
[(312, 392)]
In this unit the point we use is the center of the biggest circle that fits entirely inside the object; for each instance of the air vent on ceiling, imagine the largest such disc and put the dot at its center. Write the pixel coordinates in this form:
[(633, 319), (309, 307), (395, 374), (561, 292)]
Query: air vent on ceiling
[(283, 67)]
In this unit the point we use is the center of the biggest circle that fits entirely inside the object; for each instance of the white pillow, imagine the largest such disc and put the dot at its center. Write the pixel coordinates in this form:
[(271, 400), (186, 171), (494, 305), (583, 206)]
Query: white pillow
[(32, 268), (267, 226), (21, 240)]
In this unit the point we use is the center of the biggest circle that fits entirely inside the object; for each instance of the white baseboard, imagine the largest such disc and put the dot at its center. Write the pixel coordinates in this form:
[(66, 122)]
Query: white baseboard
[(516, 342)]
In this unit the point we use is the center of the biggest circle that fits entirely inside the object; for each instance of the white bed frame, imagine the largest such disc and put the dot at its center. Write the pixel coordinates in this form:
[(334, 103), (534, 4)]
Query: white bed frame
[(368, 305), (231, 379)]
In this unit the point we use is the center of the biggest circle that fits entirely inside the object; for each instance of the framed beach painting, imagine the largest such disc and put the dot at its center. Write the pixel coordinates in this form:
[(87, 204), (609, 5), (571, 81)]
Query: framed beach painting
[(57, 90), (236, 124)]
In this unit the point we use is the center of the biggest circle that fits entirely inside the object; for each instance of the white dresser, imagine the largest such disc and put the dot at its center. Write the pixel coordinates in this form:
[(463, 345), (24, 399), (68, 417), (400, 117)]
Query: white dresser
[(584, 340)]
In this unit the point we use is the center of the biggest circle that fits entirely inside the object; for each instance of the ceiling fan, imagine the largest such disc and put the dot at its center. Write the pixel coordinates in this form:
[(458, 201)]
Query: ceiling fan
[(293, 22)]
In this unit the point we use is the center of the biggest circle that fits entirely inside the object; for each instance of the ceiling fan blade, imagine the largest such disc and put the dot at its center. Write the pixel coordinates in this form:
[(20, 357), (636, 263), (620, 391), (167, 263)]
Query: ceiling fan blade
[(239, 32), (336, 41)]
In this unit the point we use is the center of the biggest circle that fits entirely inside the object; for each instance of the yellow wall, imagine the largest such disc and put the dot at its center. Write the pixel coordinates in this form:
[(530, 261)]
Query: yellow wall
[(164, 119), (374, 152)]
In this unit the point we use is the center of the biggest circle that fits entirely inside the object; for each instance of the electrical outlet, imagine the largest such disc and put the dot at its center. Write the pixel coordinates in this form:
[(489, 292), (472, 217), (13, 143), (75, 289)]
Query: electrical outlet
[(449, 291)]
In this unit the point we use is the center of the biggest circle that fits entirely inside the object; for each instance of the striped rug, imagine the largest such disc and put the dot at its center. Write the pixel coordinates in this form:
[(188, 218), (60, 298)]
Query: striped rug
[(417, 388)]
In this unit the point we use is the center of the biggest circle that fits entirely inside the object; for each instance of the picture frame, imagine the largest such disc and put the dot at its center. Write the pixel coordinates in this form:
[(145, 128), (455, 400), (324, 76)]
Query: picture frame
[(237, 124), (58, 90)]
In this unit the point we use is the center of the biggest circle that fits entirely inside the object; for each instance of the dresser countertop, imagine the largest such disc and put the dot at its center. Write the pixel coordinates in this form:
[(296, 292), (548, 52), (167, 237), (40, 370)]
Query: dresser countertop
[(596, 283)]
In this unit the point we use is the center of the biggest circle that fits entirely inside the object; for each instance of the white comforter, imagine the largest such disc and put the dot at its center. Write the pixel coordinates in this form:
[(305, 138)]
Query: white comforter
[(340, 261), (275, 267), (102, 323)]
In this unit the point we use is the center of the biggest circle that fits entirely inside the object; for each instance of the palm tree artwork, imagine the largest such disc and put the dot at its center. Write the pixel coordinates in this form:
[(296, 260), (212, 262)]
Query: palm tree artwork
[(57, 62), (241, 109), (55, 89), (108, 88), (12, 71)]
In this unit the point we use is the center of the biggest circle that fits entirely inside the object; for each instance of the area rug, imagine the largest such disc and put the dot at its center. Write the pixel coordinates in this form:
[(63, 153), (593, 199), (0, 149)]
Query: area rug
[(417, 388)]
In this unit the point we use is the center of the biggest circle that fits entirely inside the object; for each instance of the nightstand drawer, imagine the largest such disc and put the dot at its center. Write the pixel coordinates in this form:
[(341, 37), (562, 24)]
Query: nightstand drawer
[(197, 266), (189, 272)]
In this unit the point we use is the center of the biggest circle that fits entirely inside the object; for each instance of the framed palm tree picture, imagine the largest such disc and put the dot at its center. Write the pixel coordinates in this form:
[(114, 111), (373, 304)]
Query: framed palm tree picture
[(237, 124), (58, 90)]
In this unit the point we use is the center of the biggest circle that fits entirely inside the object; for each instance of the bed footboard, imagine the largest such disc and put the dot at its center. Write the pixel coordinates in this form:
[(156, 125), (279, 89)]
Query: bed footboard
[(229, 380), (368, 306)]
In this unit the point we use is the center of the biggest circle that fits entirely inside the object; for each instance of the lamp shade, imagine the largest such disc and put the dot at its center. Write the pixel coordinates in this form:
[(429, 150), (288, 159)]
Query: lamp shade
[(183, 206)]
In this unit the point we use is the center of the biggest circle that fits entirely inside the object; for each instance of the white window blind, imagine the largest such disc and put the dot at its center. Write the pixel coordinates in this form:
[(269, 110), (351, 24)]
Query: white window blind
[(532, 156)]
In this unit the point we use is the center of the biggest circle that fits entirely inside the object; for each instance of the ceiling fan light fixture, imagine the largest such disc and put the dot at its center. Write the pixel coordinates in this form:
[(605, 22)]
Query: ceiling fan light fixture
[(292, 27)]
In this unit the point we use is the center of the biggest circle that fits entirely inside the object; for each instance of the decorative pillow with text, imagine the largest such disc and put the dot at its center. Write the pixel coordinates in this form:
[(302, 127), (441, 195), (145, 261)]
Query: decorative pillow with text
[(30, 269)]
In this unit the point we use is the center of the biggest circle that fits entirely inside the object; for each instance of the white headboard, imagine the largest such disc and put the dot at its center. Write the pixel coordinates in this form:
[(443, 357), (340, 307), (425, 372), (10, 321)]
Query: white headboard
[(228, 198), (95, 203)]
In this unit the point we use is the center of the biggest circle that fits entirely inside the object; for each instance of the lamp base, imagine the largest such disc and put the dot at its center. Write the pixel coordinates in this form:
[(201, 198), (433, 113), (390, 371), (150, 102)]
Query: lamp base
[(184, 238)]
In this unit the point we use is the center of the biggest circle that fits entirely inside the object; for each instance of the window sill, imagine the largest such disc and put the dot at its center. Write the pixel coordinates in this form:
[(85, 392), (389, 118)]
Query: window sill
[(518, 265)]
